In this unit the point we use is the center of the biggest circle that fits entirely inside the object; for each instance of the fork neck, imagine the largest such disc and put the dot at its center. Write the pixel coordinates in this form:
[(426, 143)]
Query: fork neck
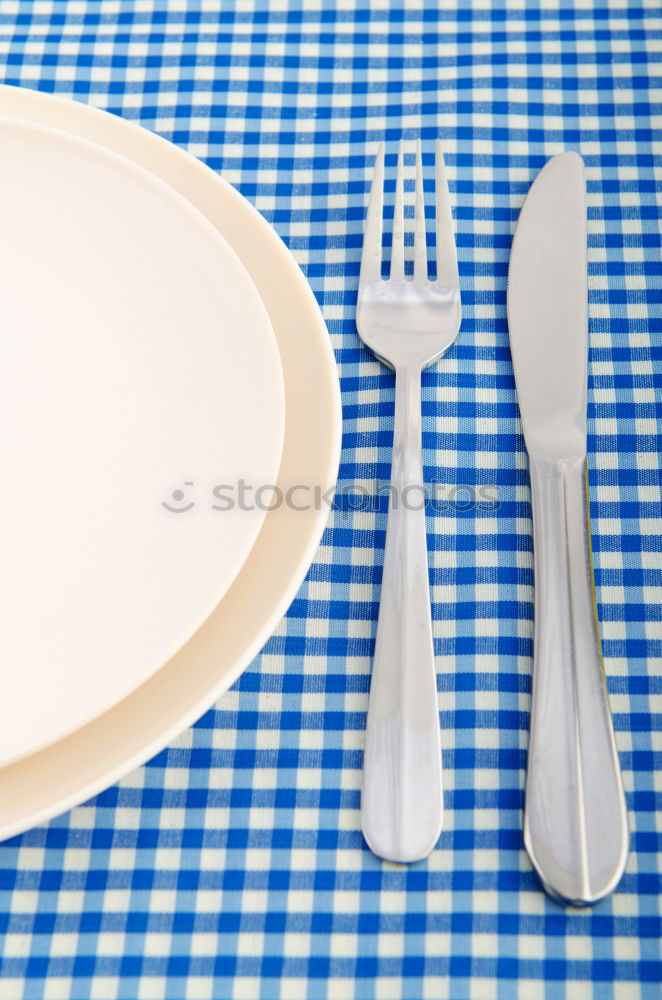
[(407, 469)]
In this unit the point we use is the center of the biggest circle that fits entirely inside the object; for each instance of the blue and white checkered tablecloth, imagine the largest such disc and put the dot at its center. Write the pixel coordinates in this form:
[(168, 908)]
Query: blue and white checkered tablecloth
[(232, 865)]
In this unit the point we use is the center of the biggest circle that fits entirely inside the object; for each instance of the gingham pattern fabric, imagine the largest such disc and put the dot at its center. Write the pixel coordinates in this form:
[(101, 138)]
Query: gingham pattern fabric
[(232, 865)]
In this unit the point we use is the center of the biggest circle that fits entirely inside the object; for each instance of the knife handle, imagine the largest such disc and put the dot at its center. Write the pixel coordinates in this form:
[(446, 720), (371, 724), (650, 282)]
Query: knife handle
[(575, 824)]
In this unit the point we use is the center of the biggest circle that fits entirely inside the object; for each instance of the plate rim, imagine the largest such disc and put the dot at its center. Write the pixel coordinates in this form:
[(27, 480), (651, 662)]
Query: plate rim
[(191, 175), (184, 207)]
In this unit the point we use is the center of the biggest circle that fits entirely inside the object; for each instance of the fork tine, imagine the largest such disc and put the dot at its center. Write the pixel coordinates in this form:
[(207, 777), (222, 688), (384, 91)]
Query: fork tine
[(398, 246), (447, 275), (371, 258), (420, 247)]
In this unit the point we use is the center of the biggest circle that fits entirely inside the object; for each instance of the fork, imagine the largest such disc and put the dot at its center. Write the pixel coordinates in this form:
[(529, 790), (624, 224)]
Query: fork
[(407, 324)]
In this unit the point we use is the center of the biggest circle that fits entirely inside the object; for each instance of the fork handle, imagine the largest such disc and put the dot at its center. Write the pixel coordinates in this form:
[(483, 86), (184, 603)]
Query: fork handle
[(402, 804), (575, 824)]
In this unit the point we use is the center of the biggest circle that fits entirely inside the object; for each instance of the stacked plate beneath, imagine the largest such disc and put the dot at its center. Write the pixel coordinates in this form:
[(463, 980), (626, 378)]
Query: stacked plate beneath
[(211, 364)]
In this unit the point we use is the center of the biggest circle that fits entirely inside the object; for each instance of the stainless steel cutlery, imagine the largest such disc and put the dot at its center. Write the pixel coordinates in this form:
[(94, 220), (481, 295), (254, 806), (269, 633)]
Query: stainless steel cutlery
[(575, 825), (408, 324)]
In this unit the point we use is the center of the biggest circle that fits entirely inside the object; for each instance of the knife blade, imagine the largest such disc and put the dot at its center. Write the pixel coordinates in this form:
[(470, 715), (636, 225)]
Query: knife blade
[(575, 822)]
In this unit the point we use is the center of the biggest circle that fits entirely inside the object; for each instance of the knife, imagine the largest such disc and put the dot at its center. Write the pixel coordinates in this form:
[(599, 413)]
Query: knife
[(575, 821)]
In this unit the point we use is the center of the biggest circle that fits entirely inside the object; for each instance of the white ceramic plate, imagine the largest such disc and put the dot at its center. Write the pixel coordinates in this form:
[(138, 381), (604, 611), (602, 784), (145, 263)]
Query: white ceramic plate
[(45, 784), (137, 357)]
